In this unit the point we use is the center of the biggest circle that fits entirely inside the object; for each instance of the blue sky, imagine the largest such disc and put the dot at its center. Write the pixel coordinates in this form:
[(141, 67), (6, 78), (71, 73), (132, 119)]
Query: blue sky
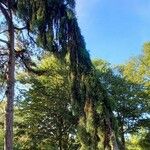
[(114, 30)]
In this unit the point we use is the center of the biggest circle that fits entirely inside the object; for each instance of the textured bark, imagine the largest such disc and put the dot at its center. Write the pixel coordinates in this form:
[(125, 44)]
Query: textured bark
[(10, 90), (10, 76)]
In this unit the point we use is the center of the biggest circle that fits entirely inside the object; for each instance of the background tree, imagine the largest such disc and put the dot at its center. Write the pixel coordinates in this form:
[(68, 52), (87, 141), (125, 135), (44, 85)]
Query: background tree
[(47, 120), (128, 98)]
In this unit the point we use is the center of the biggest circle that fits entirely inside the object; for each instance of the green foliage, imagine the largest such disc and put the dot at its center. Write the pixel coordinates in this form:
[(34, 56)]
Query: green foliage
[(2, 116), (139, 141), (56, 29), (128, 95), (47, 118), (106, 102), (83, 135)]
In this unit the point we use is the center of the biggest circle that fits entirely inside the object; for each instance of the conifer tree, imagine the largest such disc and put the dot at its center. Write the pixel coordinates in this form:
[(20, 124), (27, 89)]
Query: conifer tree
[(55, 27), (7, 12)]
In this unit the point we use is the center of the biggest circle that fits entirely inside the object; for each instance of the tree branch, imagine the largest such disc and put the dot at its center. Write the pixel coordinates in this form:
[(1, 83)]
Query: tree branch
[(28, 63), (3, 31), (35, 71), (5, 13), (4, 54), (19, 29), (3, 41)]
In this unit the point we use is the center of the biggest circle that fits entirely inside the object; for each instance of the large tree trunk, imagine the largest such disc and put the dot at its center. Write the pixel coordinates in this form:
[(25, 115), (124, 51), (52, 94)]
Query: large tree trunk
[(7, 12), (10, 90)]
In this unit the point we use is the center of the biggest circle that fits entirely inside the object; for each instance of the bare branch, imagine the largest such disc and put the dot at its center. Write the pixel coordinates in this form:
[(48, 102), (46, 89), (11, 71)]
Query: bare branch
[(22, 28), (3, 41), (5, 13), (4, 54), (32, 39), (3, 2), (3, 31), (28, 63), (35, 71)]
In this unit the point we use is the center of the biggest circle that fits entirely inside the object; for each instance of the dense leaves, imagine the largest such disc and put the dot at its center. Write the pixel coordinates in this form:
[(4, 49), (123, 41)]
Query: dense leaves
[(68, 102), (46, 111)]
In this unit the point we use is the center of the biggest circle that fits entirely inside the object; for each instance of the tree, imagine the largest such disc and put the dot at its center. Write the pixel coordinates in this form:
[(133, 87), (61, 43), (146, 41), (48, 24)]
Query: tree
[(47, 121), (139, 141), (54, 27), (8, 55), (128, 98), (6, 10), (89, 130)]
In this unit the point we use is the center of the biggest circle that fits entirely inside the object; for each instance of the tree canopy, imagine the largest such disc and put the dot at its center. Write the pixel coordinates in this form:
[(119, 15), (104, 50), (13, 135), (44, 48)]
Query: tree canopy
[(60, 98)]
